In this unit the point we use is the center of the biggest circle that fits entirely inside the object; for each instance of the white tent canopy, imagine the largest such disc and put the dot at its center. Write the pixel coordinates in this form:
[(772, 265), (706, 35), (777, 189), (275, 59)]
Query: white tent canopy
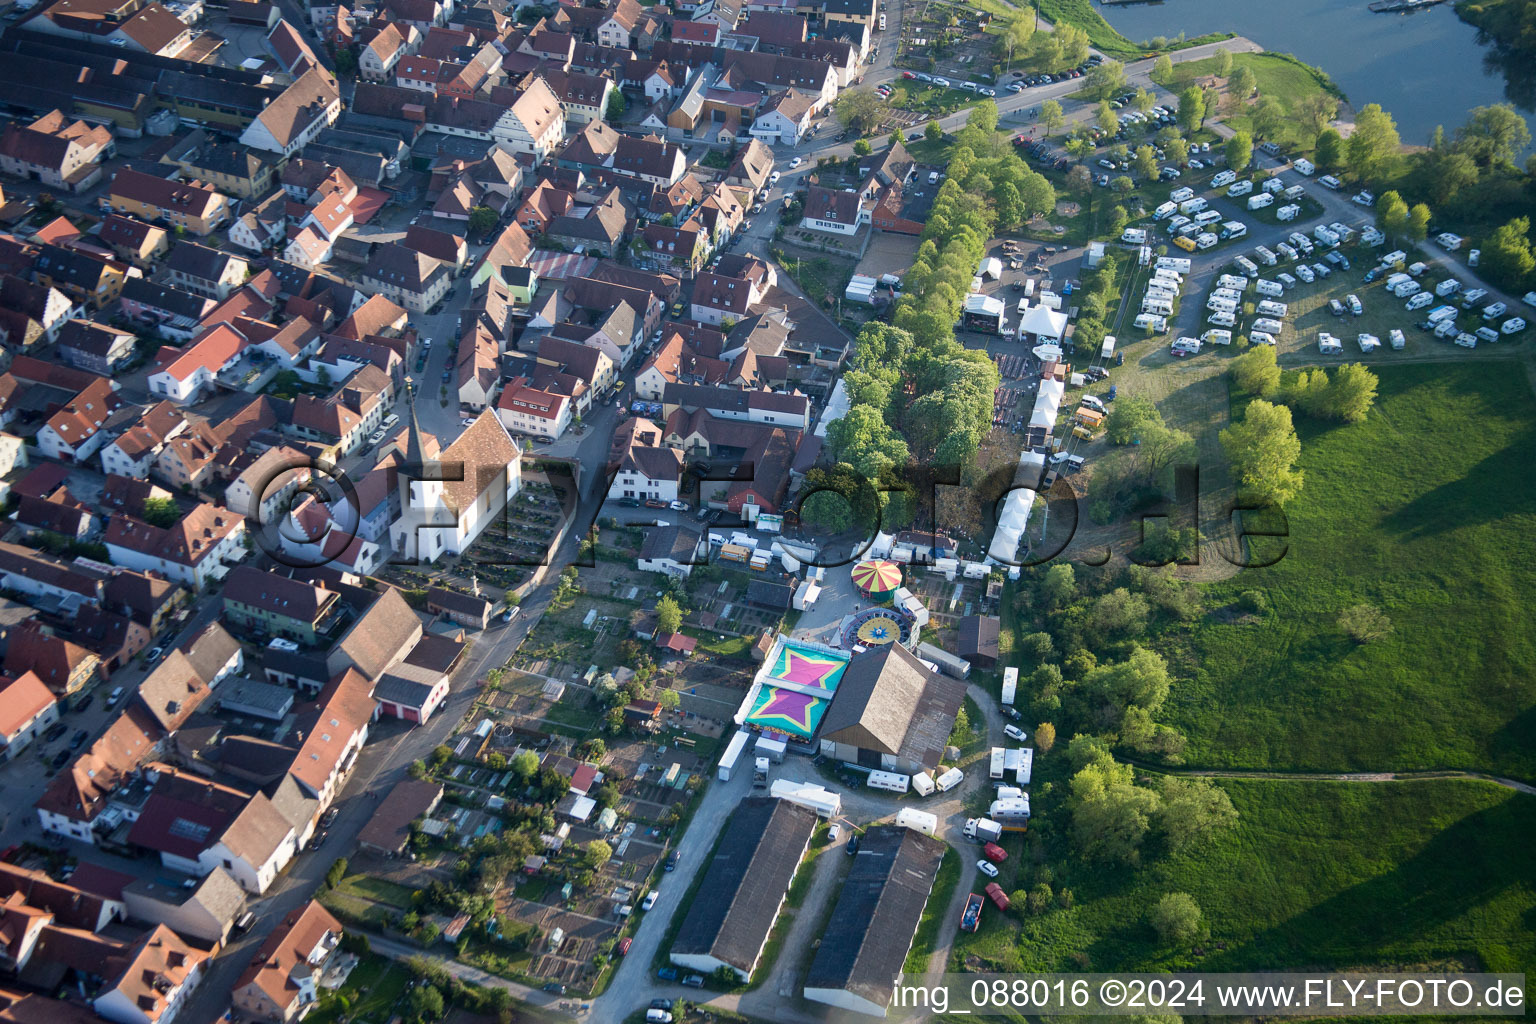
[(1047, 352), (1047, 403), (1011, 523), (1044, 323)]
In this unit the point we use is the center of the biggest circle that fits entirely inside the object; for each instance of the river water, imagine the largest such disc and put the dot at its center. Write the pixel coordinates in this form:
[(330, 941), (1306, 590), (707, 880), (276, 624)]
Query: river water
[(1426, 68)]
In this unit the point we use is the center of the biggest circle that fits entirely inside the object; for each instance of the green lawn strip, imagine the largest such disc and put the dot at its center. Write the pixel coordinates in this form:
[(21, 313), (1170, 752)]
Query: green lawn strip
[(371, 991), (722, 646), (378, 890), (933, 913), (1435, 549), (1315, 875)]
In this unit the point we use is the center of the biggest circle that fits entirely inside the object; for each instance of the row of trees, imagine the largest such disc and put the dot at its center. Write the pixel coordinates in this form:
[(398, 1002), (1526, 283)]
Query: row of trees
[(1049, 52), (1347, 395)]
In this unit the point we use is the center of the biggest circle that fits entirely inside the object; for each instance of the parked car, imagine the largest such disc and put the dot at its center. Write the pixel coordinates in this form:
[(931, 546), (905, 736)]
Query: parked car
[(987, 868), (834, 832), (661, 1004), (853, 844), (329, 817), (56, 730), (558, 989), (78, 739), (671, 864), (650, 899), (624, 945), (694, 981), (665, 974), (1335, 307), (1013, 732)]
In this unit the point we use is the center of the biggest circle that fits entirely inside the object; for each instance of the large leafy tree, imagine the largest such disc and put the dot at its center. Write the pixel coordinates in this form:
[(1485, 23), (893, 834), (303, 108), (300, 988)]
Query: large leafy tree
[(1374, 142), (1263, 449)]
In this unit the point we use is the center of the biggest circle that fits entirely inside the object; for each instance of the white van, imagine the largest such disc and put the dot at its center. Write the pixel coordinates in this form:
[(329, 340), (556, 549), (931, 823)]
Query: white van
[(1269, 307), (1420, 300), (1181, 195), (1177, 264), (1217, 337), (1023, 306), (1224, 179), (1190, 207), (1222, 319), (1269, 288), (1268, 326), (1161, 307), (1217, 304), (1242, 188), (933, 177), (1152, 321), (1206, 241), (1166, 210)]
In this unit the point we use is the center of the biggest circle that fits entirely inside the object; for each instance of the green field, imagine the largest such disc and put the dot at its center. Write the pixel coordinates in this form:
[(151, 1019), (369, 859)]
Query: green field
[(1316, 875), (1422, 510), (1280, 76), (371, 992)]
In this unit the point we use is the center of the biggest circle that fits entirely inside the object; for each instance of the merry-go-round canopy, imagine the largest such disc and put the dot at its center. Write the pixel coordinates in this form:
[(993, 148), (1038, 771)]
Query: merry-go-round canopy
[(877, 576)]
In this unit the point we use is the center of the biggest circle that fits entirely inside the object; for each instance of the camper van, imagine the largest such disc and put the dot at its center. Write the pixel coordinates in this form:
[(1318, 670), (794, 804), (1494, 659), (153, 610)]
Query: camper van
[(1217, 304), (1222, 319), (1237, 284), (1240, 189), (1224, 179), (1325, 236), (1217, 337), (1265, 256), (1247, 266), (1396, 339), (1150, 321), (1177, 264), (1260, 201), (1406, 288), (1182, 195), (1166, 210), (1447, 329), (1328, 345), (1205, 241), (1186, 347), (1134, 236), (1190, 207), (1272, 289), (1419, 301), (1269, 307), (1268, 325), (1440, 314), (1290, 211), (889, 781), (1233, 229), (1450, 286), (1260, 338), (1161, 307)]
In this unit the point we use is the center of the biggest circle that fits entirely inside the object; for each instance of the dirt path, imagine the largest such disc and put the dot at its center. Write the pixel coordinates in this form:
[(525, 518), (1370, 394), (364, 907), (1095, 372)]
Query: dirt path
[(1240, 773)]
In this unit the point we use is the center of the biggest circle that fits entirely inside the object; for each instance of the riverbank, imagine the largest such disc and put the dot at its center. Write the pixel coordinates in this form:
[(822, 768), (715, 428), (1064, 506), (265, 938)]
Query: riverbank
[(1102, 36), (1282, 77)]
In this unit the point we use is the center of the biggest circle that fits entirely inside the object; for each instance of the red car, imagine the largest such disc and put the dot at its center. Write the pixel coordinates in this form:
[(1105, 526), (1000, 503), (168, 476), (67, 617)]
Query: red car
[(624, 945), (997, 896), (908, 75), (994, 853)]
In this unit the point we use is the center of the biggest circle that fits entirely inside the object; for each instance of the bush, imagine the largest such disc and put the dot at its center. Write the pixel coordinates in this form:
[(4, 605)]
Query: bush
[(337, 872), (1176, 918), (1253, 602), (1364, 623)]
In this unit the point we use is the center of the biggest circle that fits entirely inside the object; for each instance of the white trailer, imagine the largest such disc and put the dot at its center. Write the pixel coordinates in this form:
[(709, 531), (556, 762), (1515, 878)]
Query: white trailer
[(1010, 685), (732, 755), (951, 778), (918, 821), (892, 782), (922, 784), (1012, 813), (998, 760), (1108, 348), (1021, 761), (825, 802)]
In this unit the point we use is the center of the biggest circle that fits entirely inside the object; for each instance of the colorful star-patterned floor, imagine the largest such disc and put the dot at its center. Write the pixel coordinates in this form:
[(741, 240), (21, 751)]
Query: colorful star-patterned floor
[(795, 688)]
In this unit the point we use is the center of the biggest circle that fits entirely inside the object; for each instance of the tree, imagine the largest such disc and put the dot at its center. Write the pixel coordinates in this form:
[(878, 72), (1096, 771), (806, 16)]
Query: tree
[(1176, 918), (1074, 44), (1124, 184), (861, 147), (860, 110), (1118, 217), (1110, 815), (1263, 449), (1107, 118), (932, 132), (1079, 179), (1051, 118), (1418, 222), (1177, 152), (668, 699), (669, 615), (1315, 113), (1374, 141), (1493, 135), (1329, 154), (1045, 737), (595, 854), (1130, 417), (161, 512), (1141, 680), (617, 104), (1040, 898), (1223, 62), (1267, 118), (1239, 151), (1392, 215), (1256, 371), (1242, 85), (1146, 162), (1059, 586), (336, 872), (1078, 147), (346, 62), (1351, 393), (1016, 35), (1106, 80), (481, 220), (1192, 810), (440, 755), (1143, 100), (426, 1004), (1364, 623), (525, 766), (1507, 259), (1191, 109), (1162, 70)]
